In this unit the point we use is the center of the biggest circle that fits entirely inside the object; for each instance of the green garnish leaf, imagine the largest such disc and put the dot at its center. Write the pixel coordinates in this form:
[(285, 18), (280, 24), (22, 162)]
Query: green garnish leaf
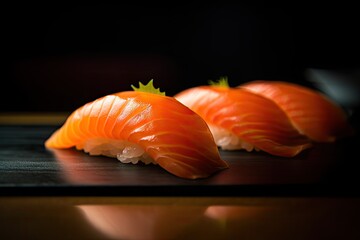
[(222, 82), (148, 88)]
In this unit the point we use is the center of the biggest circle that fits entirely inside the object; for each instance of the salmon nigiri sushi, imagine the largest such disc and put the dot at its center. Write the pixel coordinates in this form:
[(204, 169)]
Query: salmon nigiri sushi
[(311, 112), (240, 119), (149, 127)]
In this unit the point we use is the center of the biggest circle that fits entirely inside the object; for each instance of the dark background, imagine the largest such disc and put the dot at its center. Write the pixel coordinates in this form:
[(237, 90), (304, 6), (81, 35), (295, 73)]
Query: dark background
[(56, 57)]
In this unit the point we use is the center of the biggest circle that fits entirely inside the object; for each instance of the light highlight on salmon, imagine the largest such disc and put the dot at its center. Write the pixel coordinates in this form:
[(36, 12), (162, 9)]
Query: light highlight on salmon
[(175, 137), (311, 112), (252, 118)]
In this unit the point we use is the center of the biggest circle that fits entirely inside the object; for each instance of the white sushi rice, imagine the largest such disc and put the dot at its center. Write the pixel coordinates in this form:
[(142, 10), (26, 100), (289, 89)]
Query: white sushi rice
[(124, 151), (227, 140)]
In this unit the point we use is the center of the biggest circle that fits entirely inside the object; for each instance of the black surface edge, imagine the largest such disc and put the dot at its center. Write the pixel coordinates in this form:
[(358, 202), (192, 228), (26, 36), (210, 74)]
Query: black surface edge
[(190, 191)]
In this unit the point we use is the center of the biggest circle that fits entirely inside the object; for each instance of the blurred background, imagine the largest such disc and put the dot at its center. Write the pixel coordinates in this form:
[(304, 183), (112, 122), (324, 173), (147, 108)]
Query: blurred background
[(57, 57)]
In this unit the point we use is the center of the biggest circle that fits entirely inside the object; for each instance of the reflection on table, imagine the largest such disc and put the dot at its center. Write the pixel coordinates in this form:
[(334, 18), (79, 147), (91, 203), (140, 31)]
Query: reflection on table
[(179, 218)]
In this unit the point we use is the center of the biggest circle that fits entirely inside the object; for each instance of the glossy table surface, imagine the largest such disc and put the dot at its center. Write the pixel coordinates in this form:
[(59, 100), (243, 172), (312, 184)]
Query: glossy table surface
[(28, 168), (179, 218), (70, 195)]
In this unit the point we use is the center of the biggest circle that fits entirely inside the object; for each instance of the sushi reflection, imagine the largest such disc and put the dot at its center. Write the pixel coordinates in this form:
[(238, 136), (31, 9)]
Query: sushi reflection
[(305, 219), (220, 212), (81, 168), (143, 222), (167, 222), (257, 168), (179, 218)]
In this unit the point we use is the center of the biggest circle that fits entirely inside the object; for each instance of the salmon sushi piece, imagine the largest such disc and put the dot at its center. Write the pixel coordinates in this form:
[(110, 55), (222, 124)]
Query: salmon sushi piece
[(311, 112), (135, 126), (240, 119)]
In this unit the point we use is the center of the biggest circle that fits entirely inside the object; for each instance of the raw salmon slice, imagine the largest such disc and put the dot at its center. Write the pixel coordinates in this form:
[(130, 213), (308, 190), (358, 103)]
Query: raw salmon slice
[(137, 126), (240, 119), (311, 112)]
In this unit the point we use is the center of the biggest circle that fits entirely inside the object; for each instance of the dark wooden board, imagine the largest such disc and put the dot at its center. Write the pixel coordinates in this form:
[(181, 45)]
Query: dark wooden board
[(28, 168)]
